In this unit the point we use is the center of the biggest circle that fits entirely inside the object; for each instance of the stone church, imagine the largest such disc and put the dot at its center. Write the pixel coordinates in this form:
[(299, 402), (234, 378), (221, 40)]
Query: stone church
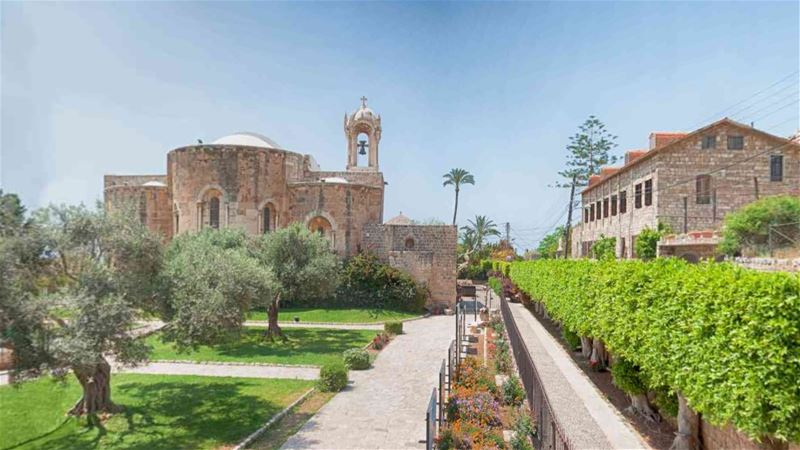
[(248, 181)]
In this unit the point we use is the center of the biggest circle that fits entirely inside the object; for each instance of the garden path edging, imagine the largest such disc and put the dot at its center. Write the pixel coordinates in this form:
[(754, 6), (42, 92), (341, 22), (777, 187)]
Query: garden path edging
[(254, 435)]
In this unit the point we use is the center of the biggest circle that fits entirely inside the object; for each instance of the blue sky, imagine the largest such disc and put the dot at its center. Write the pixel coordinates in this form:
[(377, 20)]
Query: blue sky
[(496, 88)]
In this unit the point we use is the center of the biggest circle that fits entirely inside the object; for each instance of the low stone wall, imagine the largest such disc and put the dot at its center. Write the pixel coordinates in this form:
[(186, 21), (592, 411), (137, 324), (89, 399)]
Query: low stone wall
[(727, 437), (769, 264)]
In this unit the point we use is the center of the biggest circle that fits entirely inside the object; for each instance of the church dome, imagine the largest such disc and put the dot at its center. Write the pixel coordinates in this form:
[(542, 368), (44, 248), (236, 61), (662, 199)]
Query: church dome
[(247, 139), (364, 113), (399, 220)]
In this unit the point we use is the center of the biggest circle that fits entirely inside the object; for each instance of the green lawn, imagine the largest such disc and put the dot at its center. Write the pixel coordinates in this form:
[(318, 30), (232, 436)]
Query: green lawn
[(335, 315), (305, 346), (160, 412)]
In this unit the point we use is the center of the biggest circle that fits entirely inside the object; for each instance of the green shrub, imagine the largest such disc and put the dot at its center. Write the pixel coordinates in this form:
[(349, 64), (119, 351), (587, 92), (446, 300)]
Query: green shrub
[(513, 392), (366, 282), (393, 327), (496, 285), (356, 359), (723, 336), (379, 341), (502, 358), (666, 401), (646, 245), (749, 226), (332, 376), (572, 339), (523, 431), (628, 377), (472, 272), (605, 248)]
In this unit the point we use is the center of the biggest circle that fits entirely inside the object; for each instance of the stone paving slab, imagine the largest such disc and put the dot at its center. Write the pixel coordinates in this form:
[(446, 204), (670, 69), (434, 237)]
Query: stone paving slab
[(588, 419), (384, 407), (223, 370)]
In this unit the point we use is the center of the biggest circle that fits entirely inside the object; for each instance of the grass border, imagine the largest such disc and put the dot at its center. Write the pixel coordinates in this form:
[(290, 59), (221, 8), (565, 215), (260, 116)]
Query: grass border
[(254, 435)]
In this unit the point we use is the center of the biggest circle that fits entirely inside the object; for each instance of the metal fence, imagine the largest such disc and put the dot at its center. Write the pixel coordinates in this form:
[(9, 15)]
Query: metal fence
[(430, 422), (549, 433), (783, 236)]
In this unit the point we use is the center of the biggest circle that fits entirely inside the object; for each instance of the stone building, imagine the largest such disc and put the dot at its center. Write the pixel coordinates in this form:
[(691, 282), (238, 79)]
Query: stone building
[(688, 181), (426, 252), (248, 181)]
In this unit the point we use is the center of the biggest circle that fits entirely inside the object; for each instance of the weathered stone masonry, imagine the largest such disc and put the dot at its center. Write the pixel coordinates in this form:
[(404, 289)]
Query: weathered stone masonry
[(248, 181)]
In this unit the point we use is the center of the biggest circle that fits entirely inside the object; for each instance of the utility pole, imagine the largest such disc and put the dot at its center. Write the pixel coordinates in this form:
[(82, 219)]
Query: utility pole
[(569, 217), (508, 233)]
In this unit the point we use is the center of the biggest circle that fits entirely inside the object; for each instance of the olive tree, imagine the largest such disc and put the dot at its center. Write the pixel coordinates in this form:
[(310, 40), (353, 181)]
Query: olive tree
[(302, 265), (211, 280), (74, 283)]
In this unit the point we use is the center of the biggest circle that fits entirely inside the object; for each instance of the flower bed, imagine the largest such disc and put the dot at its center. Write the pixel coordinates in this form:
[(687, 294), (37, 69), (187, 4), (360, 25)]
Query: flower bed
[(477, 410)]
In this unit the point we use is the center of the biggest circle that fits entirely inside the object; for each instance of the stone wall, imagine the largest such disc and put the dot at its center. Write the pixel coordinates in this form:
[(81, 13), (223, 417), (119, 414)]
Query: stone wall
[(151, 202), (426, 252), (672, 171)]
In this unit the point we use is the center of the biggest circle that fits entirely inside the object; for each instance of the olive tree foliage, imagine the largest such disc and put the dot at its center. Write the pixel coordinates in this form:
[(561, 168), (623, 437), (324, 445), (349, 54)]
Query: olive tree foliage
[(211, 280), (74, 281), (303, 267)]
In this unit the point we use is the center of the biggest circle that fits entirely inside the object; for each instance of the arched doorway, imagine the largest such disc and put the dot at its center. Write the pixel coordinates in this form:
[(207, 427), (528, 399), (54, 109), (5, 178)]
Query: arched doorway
[(322, 226)]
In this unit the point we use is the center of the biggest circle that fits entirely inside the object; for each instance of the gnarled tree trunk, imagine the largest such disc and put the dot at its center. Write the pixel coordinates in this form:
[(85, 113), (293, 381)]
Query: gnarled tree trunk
[(96, 383), (586, 346), (688, 436), (640, 405), (599, 358), (273, 329)]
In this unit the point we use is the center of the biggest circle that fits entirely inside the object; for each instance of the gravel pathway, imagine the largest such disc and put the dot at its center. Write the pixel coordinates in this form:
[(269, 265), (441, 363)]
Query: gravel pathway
[(223, 370), (589, 420), (384, 407)]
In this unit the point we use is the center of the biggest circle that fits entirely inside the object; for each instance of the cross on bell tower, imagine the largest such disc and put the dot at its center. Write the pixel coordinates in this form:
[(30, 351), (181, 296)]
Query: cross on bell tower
[(362, 122)]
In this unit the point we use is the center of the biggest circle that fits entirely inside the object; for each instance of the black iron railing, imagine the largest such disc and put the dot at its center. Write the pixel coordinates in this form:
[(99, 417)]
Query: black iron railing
[(549, 433), (430, 422)]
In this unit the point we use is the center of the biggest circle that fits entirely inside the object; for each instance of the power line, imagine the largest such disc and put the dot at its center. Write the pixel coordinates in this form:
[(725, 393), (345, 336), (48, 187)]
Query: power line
[(714, 116), (779, 109), (788, 86)]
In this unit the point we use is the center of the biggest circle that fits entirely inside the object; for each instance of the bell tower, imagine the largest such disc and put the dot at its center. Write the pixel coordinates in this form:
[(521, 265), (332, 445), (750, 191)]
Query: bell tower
[(367, 125)]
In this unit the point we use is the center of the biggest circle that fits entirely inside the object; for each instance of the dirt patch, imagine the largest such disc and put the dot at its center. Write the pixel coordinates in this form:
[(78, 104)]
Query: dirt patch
[(658, 436), (278, 433)]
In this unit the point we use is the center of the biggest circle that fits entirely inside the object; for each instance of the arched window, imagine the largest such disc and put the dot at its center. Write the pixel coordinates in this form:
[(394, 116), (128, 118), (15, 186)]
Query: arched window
[(409, 244), (267, 220), (213, 212)]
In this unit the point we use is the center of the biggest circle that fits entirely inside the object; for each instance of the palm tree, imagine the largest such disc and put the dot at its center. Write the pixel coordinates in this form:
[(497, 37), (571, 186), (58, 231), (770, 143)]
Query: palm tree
[(481, 228), (457, 177)]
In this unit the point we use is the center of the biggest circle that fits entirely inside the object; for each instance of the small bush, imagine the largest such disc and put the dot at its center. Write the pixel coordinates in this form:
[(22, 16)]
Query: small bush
[(572, 338), (605, 248), (332, 376), (393, 328), (502, 357), (523, 430), (367, 282), (379, 341), (513, 392), (356, 359)]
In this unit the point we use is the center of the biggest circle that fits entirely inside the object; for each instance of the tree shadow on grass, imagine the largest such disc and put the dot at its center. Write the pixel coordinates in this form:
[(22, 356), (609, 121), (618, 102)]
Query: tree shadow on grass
[(302, 342), (172, 415)]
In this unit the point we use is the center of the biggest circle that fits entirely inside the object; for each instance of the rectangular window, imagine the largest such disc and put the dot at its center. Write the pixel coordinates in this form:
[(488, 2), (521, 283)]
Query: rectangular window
[(648, 192), (709, 142), (605, 207), (637, 196), (623, 202), (599, 210), (703, 189), (776, 168), (735, 142), (591, 212), (585, 215), (613, 205)]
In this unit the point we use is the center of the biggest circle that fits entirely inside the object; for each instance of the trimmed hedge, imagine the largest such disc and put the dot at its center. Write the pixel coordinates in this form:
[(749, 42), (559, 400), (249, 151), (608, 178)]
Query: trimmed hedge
[(393, 327), (727, 338)]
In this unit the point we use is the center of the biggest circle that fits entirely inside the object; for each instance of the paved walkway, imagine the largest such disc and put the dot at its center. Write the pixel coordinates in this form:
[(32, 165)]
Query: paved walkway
[(384, 407), (223, 370), (588, 419)]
